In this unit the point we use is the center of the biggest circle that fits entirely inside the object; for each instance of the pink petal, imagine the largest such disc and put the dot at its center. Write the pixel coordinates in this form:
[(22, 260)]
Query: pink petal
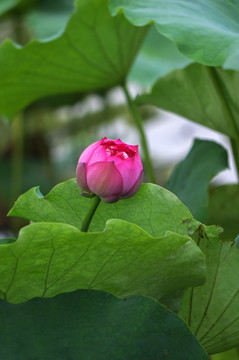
[(104, 179), (135, 187), (99, 154), (130, 170), (116, 159), (133, 148), (88, 152), (137, 157), (81, 176), (118, 142)]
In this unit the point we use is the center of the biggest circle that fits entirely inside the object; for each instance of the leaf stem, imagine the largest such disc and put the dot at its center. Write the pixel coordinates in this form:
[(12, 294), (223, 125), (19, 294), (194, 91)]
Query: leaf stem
[(17, 156), (90, 214), (224, 98), (139, 123)]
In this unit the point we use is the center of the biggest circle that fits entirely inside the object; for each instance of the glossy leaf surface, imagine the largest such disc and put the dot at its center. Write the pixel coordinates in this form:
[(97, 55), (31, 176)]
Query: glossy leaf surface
[(211, 310), (157, 57), (189, 181), (205, 95), (94, 52), (51, 258), (195, 27), (153, 208), (81, 324)]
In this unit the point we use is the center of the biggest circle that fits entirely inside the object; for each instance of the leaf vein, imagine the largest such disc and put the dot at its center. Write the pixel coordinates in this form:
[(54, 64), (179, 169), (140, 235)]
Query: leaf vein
[(102, 266), (72, 266), (87, 59), (211, 293), (48, 269), (222, 313)]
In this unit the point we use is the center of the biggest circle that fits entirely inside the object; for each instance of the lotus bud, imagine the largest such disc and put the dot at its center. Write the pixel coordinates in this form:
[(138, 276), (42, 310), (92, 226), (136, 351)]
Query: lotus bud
[(110, 169)]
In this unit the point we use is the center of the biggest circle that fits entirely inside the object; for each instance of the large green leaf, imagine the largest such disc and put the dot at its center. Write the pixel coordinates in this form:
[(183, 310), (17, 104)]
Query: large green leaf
[(205, 31), (223, 209), (189, 180), (153, 208), (205, 95), (94, 325), (51, 258), (156, 58), (95, 51), (211, 310)]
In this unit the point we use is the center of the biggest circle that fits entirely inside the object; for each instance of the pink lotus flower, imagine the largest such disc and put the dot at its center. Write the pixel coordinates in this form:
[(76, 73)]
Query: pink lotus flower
[(110, 169)]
